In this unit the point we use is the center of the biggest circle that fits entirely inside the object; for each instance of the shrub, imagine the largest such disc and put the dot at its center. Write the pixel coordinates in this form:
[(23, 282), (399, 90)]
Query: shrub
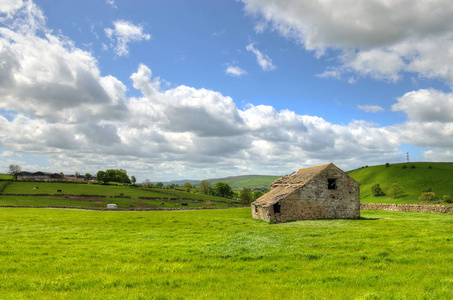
[(413, 167), (376, 190), (427, 197), (387, 165), (430, 167), (447, 198)]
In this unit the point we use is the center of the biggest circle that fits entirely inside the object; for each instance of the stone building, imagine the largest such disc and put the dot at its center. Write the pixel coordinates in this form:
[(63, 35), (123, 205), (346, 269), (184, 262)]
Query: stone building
[(321, 192)]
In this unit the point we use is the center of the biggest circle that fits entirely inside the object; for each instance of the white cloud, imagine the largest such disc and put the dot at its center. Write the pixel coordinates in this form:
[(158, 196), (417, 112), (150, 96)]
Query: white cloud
[(426, 106), (263, 60), (377, 38), (125, 32), (61, 108), (235, 71), (370, 108), (112, 3)]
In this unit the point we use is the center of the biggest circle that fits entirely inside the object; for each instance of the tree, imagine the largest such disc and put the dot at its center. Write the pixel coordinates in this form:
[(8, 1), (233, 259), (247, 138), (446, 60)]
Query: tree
[(159, 185), (205, 187), (133, 179), (101, 176), (187, 186), (148, 184), (76, 174), (427, 197), (14, 170), (257, 194), (376, 190), (395, 189), (113, 175), (246, 197), (223, 189), (387, 165), (88, 176)]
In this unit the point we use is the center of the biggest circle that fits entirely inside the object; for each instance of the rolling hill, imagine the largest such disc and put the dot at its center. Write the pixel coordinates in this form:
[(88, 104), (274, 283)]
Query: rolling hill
[(414, 178), (250, 181)]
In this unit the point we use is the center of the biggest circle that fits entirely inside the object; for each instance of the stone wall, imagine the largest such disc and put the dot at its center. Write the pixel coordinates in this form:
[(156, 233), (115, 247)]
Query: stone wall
[(408, 207)]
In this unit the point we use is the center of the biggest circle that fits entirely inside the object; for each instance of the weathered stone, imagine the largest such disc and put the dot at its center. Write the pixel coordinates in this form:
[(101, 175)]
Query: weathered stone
[(445, 209), (322, 192)]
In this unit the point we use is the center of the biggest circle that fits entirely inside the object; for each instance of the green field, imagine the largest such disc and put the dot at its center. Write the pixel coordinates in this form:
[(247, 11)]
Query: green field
[(414, 180), (222, 254), (170, 198)]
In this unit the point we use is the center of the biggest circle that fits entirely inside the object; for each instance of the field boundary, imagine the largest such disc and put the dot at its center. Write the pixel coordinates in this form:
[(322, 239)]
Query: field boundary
[(117, 209), (408, 207)]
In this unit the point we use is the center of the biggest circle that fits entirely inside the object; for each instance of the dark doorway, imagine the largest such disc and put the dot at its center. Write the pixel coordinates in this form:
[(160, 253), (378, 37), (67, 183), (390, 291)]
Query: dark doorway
[(276, 208)]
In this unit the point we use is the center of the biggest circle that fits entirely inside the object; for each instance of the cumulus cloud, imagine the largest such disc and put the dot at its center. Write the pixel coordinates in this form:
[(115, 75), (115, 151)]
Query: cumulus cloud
[(370, 108), (61, 108), (263, 60), (427, 105), (123, 33), (376, 38), (235, 71)]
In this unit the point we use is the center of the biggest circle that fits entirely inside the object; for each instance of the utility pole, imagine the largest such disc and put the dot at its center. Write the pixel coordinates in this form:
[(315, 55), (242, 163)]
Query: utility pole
[(407, 157)]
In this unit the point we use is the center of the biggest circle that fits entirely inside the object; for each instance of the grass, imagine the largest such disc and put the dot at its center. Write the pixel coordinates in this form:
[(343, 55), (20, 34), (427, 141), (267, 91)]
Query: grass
[(413, 180), (6, 177), (76, 189), (196, 196), (170, 201), (102, 202), (222, 254)]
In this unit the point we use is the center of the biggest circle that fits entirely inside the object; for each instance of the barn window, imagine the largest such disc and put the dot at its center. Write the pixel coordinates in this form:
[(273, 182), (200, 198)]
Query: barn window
[(276, 208), (332, 184)]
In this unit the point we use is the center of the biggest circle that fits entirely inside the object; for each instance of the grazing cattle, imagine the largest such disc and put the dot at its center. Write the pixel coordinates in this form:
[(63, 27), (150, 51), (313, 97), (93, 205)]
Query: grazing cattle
[(121, 194), (58, 191), (184, 203), (176, 204), (35, 188), (163, 203)]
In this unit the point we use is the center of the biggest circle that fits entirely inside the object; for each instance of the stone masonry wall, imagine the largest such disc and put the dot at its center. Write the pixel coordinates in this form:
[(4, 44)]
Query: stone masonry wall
[(408, 207), (316, 201)]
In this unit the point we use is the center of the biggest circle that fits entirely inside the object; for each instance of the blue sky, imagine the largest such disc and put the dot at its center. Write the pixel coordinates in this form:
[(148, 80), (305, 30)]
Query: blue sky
[(198, 89)]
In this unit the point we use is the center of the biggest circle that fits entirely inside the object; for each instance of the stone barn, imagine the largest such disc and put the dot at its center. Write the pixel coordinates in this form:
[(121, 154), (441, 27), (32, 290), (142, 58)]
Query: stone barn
[(321, 192)]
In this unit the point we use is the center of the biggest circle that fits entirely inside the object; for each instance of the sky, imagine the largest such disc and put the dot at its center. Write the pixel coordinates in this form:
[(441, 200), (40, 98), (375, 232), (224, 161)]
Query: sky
[(201, 89)]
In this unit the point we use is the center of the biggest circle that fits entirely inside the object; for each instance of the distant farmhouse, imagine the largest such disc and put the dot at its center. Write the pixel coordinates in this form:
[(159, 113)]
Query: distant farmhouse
[(46, 176), (321, 192)]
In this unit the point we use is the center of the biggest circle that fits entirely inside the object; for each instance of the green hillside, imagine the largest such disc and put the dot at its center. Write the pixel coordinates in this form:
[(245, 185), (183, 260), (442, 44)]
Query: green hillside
[(249, 181), (414, 180), (20, 193)]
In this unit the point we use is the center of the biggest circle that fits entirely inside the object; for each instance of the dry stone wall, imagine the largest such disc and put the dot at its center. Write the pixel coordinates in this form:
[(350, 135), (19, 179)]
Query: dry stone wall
[(408, 207)]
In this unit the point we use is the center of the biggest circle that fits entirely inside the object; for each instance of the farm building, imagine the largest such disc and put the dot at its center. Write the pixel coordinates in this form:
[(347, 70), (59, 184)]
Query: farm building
[(321, 192)]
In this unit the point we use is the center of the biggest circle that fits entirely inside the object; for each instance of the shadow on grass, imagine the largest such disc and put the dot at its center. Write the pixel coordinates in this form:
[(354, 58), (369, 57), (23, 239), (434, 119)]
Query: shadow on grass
[(331, 220)]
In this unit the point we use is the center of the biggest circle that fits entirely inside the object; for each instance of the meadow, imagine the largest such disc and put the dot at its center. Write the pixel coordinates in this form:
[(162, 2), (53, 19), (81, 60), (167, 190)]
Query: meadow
[(113, 194), (222, 254)]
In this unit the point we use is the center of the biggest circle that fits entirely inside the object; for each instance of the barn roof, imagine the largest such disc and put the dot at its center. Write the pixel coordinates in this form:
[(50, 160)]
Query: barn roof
[(287, 184)]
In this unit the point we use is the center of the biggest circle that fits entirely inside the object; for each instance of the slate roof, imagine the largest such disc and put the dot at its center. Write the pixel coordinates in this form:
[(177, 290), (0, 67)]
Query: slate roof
[(287, 184)]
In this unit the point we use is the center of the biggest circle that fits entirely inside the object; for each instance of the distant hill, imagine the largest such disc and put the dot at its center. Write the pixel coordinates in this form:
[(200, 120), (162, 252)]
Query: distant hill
[(179, 182), (250, 181), (415, 178)]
